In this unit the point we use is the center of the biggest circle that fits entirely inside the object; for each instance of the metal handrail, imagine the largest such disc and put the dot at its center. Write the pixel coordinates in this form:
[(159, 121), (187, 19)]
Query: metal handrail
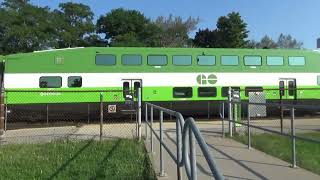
[(185, 133)]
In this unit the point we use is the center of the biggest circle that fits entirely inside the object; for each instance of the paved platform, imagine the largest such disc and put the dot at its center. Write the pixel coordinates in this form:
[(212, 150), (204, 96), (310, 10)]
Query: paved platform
[(234, 159)]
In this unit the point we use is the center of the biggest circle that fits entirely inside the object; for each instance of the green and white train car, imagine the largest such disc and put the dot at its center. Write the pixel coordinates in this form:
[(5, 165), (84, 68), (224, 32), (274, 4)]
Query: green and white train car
[(184, 78)]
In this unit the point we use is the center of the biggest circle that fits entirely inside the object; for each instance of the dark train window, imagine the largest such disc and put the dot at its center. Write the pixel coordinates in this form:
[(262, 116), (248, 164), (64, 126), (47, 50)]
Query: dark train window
[(252, 89), (229, 60), (126, 88), (206, 60), (252, 60), (74, 81), (157, 60), (318, 80), (224, 90), (105, 59), (136, 85), (207, 92), (292, 88), (181, 60), (131, 60), (50, 82), (182, 92), (297, 61)]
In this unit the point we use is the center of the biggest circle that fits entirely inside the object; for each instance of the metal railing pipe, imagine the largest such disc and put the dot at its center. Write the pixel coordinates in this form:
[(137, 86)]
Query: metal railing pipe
[(162, 174), (293, 139)]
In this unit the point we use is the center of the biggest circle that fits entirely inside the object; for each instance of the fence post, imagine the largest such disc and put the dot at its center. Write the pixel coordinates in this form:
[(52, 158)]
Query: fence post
[(179, 145), (193, 161), (222, 116), (249, 128), (146, 121), (230, 112), (151, 132), (139, 114), (162, 174), (2, 113), (101, 114), (293, 139)]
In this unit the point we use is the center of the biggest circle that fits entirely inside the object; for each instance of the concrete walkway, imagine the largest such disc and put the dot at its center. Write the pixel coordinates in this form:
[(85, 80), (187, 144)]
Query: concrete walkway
[(233, 158)]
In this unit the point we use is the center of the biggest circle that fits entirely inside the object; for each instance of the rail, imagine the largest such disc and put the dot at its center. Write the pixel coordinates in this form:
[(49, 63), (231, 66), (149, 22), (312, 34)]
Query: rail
[(291, 134), (186, 134)]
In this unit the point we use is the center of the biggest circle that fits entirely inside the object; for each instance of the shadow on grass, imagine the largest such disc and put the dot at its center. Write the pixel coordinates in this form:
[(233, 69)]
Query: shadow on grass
[(59, 170)]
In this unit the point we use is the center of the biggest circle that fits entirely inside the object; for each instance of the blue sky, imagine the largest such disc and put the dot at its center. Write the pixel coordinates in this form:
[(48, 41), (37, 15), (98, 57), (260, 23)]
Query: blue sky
[(300, 18)]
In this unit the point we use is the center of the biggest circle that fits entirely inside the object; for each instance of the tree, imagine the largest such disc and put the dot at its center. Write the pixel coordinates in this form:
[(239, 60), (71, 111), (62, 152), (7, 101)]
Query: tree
[(74, 24), (174, 31), (267, 43), (288, 42), (122, 26), (24, 27), (232, 31), (206, 38)]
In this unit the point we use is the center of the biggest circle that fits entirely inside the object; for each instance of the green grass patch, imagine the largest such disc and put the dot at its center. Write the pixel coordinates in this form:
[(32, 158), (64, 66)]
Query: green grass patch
[(308, 153), (110, 159)]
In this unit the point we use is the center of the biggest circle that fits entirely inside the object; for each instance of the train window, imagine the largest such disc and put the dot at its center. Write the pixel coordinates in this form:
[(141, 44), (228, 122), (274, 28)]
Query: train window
[(292, 88), (225, 93), (297, 61), (274, 61), (136, 85), (105, 59), (126, 89), (157, 60), (74, 81), (229, 60), (131, 60), (252, 89), (207, 92), (252, 60), (182, 60), (182, 92), (206, 60), (50, 82), (318, 80)]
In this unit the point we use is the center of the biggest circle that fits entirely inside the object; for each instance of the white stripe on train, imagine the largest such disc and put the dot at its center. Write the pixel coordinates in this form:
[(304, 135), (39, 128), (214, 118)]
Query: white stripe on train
[(31, 80)]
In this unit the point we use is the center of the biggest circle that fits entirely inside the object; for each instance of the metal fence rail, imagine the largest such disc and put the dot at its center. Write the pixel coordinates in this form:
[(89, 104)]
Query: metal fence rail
[(186, 134), (249, 126)]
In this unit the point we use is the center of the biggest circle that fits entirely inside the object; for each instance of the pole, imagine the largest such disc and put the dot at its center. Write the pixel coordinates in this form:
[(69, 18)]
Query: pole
[(293, 139), (151, 124), (249, 128), (2, 113), (179, 150), (139, 114), (146, 121), (101, 114), (162, 174), (193, 160), (230, 112), (88, 113), (223, 130)]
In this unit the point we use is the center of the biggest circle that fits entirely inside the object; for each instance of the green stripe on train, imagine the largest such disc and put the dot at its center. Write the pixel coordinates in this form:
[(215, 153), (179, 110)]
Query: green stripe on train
[(148, 94), (83, 60)]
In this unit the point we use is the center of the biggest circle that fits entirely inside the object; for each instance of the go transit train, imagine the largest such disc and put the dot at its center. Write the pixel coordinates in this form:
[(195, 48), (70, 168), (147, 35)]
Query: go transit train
[(185, 79)]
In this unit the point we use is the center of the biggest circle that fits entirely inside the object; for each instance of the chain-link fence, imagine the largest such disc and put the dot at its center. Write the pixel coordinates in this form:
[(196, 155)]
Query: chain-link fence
[(37, 116)]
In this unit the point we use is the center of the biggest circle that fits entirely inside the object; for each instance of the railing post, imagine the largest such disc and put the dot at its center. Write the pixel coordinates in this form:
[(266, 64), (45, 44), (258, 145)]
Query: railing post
[(2, 112), (249, 128), (151, 132), (193, 160), (222, 116), (139, 113), (293, 139), (179, 150), (101, 114), (146, 121), (162, 174), (230, 112)]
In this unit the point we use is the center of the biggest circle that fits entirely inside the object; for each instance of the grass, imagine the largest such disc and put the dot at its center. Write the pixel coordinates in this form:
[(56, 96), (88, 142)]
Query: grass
[(112, 159), (307, 153)]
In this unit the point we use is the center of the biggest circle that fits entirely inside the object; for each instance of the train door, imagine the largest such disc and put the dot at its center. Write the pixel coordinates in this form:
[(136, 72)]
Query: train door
[(288, 88), (130, 88)]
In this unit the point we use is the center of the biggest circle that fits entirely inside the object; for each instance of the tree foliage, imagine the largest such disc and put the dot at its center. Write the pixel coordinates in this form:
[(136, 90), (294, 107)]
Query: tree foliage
[(175, 31), (284, 42), (74, 24), (231, 32)]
